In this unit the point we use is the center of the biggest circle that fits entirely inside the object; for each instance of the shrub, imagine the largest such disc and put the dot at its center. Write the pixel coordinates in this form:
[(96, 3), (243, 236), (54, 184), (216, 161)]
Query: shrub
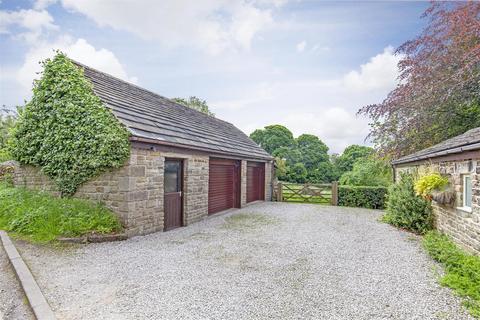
[(66, 130), (6, 173), (361, 196), (462, 270), (4, 155), (41, 217), (405, 209), (428, 183), (368, 171)]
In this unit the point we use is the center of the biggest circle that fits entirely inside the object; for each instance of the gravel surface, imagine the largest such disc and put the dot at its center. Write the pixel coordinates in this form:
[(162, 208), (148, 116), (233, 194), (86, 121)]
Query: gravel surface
[(266, 261), (13, 304)]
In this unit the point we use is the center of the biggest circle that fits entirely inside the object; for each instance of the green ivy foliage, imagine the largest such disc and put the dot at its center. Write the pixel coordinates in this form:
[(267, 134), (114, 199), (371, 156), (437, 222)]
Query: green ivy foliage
[(66, 130), (361, 196)]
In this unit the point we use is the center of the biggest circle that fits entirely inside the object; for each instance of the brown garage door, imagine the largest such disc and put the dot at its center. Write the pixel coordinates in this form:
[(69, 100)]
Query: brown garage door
[(255, 181), (223, 185)]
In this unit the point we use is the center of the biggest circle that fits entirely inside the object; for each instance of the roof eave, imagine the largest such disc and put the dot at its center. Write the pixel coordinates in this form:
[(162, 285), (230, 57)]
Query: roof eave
[(433, 155), (196, 148)]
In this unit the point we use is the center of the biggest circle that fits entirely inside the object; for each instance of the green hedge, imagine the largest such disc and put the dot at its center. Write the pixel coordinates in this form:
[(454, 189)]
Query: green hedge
[(364, 197)]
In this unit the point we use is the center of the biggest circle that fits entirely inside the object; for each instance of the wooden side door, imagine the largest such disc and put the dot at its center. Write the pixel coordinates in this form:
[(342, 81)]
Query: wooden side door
[(173, 198), (255, 181)]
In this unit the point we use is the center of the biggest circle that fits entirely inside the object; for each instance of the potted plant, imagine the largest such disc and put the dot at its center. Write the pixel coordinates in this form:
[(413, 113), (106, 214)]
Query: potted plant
[(434, 186)]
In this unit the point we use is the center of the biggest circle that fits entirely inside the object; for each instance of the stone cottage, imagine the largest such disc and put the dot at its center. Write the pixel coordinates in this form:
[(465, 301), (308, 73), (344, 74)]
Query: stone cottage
[(459, 159), (184, 165)]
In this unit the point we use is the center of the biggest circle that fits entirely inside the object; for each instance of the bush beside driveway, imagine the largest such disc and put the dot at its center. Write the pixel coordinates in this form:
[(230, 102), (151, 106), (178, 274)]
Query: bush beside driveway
[(265, 261)]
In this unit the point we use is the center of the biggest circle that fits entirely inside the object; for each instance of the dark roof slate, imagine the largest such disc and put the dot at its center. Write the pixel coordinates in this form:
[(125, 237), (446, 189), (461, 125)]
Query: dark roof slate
[(151, 116), (468, 141)]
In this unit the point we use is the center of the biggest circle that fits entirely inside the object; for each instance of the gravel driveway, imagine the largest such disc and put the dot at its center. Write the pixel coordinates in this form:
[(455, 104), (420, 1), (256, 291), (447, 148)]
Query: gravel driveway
[(266, 261), (12, 299)]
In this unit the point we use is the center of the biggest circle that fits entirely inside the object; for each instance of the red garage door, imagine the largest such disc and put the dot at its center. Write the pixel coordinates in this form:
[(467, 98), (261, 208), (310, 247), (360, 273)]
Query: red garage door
[(255, 181), (223, 185)]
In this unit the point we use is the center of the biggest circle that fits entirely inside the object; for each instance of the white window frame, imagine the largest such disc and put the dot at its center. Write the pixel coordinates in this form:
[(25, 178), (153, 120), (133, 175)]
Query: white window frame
[(464, 193)]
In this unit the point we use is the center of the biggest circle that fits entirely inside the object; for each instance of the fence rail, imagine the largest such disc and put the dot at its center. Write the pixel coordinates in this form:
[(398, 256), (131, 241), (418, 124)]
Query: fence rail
[(326, 193)]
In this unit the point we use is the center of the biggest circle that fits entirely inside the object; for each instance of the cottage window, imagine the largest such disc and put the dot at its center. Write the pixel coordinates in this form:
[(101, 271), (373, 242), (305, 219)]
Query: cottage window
[(467, 192)]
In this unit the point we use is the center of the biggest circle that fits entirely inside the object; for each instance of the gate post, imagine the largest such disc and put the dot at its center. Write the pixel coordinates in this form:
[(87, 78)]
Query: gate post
[(334, 193), (279, 192)]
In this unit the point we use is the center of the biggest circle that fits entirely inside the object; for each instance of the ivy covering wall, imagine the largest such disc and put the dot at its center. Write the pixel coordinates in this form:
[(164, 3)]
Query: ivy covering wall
[(66, 130)]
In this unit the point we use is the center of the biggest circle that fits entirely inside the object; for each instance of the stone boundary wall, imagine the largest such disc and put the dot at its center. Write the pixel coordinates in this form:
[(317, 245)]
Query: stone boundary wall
[(462, 226)]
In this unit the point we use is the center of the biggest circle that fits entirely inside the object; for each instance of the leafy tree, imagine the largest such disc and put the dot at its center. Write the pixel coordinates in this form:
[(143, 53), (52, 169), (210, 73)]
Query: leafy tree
[(66, 130), (291, 155), (369, 171), (195, 103), (437, 96), (6, 123), (323, 172), (273, 137), (7, 120), (313, 151), (297, 173), (350, 155), (281, 169)]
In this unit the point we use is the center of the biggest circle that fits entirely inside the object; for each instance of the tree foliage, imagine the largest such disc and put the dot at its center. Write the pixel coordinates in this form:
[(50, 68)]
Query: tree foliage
[(7, 120), (350, 155), (438, 93), (302, 159), (368, 171), (273, 137), (195, 103), (66, 130), (306, 159)]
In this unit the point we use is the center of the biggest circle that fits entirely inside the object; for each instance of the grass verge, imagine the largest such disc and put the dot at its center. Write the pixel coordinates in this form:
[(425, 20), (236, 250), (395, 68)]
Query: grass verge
[(462, 270), (40, 217)]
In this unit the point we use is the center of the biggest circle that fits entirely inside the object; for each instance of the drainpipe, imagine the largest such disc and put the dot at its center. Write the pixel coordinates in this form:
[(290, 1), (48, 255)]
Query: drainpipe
[(394, 175)]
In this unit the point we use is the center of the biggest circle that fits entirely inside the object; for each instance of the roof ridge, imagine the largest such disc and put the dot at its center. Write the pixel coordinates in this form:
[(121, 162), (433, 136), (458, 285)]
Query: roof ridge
[(147, 91)]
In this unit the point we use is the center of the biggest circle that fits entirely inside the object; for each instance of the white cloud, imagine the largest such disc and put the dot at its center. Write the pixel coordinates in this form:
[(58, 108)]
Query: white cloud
[(380, 72), (324, 107), (79, 50), (43, 4), (301, 46), (212, 25), (38, 24), (318, 47), (33, 22)]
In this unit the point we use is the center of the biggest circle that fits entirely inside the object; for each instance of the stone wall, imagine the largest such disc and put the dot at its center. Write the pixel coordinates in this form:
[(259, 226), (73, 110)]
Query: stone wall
[(268, 181), (195, 206), (243, 184), (135, 191), (462, 226)]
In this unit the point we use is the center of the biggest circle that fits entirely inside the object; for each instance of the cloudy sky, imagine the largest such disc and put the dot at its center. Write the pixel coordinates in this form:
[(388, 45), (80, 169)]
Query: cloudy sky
[(308, 65)]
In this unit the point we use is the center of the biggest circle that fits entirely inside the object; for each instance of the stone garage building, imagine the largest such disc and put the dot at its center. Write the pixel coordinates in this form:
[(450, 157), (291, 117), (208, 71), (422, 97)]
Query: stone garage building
[(184, 165), (459, 159)]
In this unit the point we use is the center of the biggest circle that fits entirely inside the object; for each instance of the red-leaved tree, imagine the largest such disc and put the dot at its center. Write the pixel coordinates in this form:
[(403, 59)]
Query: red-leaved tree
[(438, 95)]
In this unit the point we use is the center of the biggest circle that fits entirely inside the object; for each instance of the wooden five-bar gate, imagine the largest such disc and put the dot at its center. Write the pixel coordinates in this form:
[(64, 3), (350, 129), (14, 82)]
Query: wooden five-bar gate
[(326, 193)]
